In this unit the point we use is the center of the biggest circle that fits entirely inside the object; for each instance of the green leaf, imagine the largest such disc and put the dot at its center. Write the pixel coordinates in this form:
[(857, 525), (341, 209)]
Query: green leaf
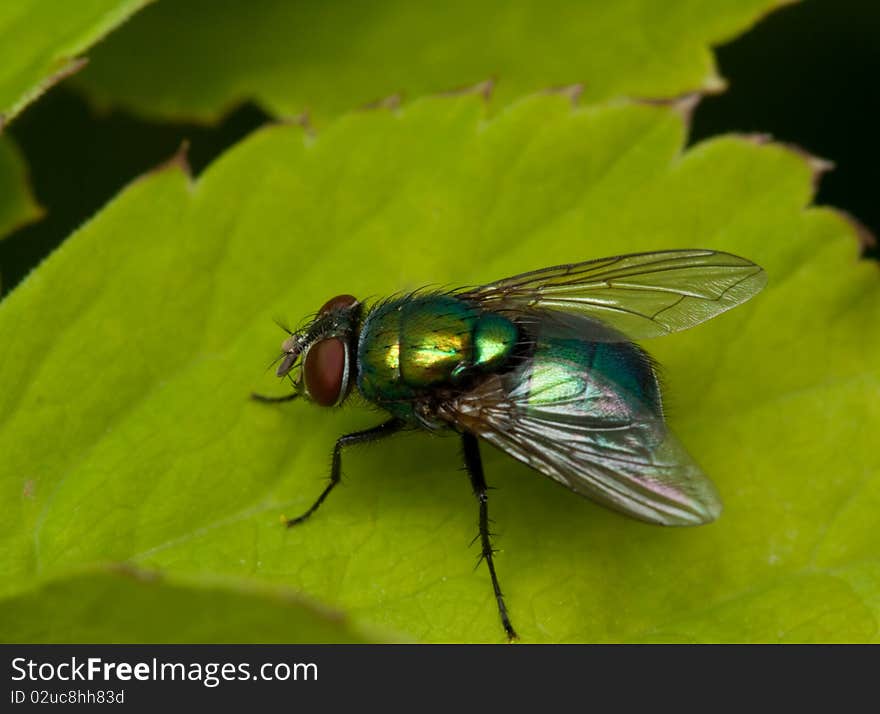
[(126, 433), (151, 608), (42, 40), (326, 58), (17, 203)]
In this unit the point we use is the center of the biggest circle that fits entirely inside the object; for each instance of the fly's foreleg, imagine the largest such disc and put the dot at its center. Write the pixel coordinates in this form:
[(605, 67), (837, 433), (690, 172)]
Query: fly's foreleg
[(271, 400), (474, 466), (392, 426)]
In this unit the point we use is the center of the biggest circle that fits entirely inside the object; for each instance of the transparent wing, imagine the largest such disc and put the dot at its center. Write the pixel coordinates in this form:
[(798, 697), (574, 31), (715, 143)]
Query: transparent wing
[(626, 460), (642, 295)]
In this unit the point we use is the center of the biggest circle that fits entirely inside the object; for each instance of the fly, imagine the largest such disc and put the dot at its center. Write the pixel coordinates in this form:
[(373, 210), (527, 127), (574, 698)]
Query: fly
[(541, 365)]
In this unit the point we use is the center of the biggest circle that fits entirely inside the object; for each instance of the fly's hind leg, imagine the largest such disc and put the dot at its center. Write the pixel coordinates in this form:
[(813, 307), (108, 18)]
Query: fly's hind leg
[(392, 426), (474, 466)]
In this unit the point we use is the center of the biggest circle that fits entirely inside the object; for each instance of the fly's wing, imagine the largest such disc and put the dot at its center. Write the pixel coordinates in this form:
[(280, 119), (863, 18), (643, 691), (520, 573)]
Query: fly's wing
[(642, 295), (588, 434), (615, 464)]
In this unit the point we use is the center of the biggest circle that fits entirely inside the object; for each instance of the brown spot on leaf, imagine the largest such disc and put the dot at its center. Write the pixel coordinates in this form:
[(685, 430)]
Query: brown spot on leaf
[(817, 165), (684, 105), (389, 103), (303, 119), (70, 66), (483, 89), (868, 245), (758, 139), (180, 161), (572, 91)]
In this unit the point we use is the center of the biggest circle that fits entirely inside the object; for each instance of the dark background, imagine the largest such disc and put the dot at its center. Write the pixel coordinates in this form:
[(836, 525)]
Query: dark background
[(807, 74)]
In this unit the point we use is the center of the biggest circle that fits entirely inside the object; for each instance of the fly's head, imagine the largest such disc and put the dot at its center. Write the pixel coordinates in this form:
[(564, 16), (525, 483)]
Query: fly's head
[(319, 359)]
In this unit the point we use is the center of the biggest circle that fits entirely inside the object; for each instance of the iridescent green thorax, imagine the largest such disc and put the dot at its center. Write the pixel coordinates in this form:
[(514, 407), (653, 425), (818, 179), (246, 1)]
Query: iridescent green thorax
[(410, 345)]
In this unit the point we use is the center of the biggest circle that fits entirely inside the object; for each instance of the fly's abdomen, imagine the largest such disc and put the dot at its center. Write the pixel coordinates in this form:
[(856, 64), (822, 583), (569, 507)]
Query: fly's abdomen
[(607, 380), (412, 345)]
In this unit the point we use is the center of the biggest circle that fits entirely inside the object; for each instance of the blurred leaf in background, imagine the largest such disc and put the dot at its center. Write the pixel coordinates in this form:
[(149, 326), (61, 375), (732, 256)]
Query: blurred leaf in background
[(127, 434), (42, 42), (79, 160), (325, 58), (198, 59), (803, 75), (17, 203), (807, 75)]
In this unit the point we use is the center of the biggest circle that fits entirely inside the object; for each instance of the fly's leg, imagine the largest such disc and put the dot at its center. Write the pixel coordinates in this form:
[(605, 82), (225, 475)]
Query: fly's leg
[(269, 400), (474, 466), (274, 400), (392, 426)]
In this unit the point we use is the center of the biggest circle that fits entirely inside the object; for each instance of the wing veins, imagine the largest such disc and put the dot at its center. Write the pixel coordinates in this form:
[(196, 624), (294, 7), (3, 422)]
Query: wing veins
[(593, 265)]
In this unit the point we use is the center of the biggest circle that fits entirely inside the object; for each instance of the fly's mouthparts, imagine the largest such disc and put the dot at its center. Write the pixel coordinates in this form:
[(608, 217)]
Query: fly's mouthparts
[(287, 363)]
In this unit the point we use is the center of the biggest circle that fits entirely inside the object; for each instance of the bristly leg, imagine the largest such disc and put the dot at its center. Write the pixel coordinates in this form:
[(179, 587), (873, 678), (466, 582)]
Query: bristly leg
[(269, 400), (274, 400), (385, 429), (474, 466)]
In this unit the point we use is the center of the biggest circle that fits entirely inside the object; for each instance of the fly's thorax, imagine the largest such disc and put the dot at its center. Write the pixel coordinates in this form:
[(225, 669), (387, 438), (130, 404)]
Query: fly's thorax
[(494, 340), (412, 345)]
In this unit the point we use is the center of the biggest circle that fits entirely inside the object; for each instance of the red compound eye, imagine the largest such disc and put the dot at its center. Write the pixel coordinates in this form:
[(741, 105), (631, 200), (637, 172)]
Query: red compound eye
[(325, 370), (337, 302)]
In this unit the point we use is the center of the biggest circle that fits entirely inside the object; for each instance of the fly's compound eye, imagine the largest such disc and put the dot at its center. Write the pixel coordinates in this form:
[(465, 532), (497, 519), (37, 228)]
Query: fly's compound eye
[(336, 303), (325, 371)]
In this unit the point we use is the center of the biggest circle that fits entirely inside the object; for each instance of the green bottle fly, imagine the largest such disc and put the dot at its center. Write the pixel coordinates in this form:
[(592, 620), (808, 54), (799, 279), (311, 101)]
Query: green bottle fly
[(542, 366)]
